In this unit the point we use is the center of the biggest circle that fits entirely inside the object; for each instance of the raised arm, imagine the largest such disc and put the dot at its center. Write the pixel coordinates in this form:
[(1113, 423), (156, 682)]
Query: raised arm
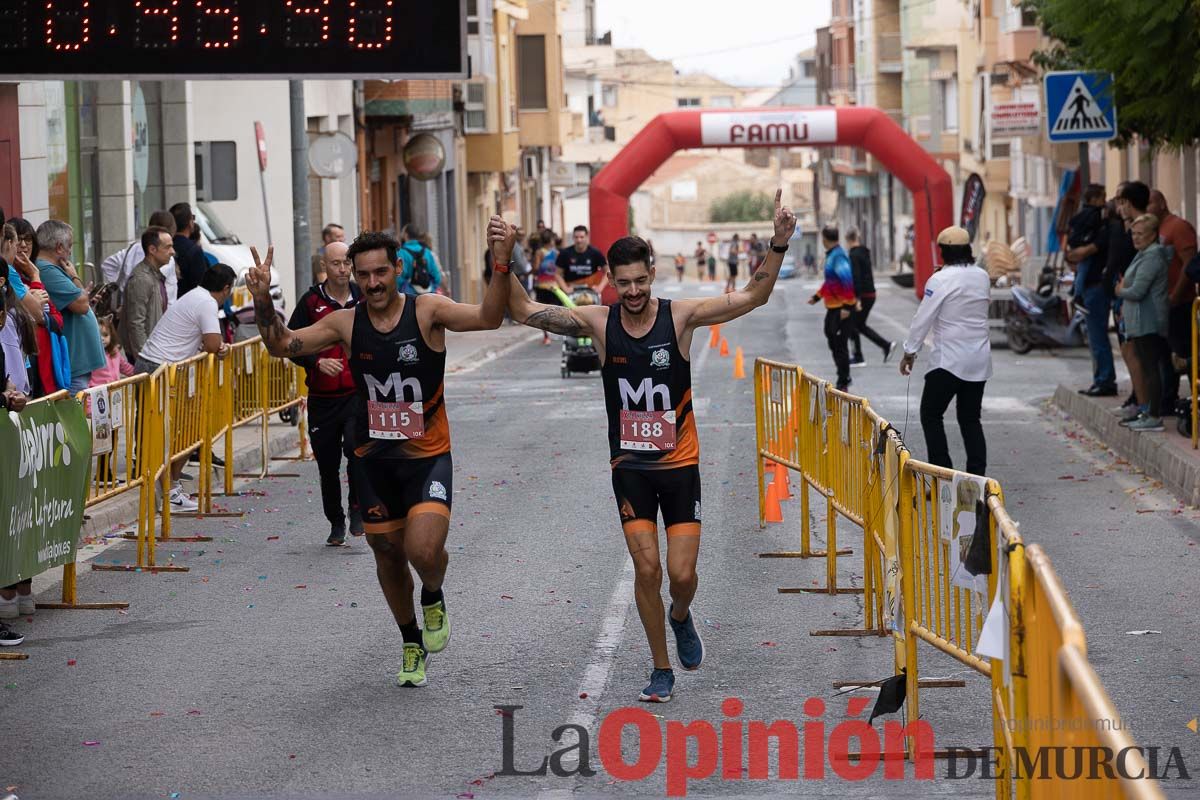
[(585, 321), (488, 315), (279, 341), (714, 310)]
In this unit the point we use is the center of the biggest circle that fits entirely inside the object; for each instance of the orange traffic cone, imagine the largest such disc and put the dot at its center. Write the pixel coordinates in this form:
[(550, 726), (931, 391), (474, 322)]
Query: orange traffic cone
[(739, 368), (724, 346), (781, 478), (772, 511), (714, 337)]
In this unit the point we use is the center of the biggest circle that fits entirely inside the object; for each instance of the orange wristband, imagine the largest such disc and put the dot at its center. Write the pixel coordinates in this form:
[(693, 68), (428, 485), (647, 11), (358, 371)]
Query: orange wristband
[(501, 268)]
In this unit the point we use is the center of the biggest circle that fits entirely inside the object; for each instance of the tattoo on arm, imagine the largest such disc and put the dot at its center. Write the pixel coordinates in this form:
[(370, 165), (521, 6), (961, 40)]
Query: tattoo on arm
[(270, 326), (761, 275), (295, 346), (555, 320)]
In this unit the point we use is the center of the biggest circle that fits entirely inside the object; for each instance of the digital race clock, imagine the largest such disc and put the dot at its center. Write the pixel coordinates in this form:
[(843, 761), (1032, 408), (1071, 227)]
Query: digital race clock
[(73, 39)]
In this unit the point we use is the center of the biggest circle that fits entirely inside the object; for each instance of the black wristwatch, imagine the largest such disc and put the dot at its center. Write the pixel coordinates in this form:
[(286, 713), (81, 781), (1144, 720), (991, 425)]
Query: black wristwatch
[(776, 249)]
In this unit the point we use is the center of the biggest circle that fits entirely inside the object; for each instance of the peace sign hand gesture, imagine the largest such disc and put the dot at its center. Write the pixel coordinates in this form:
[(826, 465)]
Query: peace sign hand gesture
[(785, 222), (258, 277)]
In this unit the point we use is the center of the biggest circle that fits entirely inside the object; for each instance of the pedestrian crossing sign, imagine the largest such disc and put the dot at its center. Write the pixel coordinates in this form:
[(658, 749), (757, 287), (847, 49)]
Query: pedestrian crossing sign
[(1080, 107)]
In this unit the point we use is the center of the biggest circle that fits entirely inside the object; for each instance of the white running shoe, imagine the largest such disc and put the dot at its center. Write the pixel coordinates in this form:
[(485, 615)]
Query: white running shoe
[(9, 609), (181, 502), (26, 604)]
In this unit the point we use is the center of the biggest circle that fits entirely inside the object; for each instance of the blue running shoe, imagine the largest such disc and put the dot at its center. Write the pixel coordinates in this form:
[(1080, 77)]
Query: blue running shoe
[(687, 642), (662, 681)]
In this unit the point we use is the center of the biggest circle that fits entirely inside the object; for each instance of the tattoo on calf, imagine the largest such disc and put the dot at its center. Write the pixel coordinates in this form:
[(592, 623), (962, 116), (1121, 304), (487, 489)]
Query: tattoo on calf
[(555, 320)]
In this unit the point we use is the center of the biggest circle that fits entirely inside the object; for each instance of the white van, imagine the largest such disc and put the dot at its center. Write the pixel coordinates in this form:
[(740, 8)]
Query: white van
[(227, 248)]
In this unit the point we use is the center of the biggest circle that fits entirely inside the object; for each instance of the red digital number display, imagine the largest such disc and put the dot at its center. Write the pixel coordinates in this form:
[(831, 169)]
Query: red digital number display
[(77, 39)]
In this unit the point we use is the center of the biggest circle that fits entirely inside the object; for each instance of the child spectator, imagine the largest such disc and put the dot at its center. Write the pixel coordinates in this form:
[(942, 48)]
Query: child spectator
[(115, 365)]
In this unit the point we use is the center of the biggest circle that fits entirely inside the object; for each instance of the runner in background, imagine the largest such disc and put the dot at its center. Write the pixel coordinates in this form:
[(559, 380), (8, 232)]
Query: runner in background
[(331, 391)]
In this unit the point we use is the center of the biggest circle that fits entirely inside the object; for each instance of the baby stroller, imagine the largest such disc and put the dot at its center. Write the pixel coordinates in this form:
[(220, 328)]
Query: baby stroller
[(578, 352)]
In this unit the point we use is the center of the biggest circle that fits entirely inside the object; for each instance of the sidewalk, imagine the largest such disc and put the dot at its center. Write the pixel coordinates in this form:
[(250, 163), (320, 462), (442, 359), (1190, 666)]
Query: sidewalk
[(1165, 456)]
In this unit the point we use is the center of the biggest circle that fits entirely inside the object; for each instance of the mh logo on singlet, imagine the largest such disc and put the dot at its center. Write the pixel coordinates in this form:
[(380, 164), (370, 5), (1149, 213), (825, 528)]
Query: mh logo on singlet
[(393, 389), (646, 391)]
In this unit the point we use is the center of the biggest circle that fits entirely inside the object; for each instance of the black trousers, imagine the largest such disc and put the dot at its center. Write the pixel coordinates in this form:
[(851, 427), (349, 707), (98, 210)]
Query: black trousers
[(1179, 339), (836, 332), (330, 421), (940, 387), (861, 327), (1153, 354)]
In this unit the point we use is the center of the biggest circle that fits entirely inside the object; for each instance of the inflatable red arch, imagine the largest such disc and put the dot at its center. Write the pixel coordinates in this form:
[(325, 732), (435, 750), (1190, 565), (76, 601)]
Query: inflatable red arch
[(868, 128)]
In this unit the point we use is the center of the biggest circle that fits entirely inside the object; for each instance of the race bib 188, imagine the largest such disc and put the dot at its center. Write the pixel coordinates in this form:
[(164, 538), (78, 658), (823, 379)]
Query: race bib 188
[(652, 431)]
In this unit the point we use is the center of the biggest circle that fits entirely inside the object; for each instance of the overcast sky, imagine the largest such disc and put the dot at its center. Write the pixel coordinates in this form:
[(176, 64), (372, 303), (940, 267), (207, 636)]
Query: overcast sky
[(756, 38)]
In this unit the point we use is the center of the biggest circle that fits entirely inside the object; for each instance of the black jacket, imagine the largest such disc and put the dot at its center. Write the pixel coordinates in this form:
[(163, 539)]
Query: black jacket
[(860, 267), (192, 264)]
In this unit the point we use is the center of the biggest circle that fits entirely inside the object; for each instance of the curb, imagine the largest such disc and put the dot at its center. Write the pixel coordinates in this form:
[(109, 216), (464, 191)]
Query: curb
[(122, 511), (1146, 451)]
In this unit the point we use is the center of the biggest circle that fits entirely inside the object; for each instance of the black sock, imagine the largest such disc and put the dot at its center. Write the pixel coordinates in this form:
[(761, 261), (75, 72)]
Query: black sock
[(411, 633), (428, 598)]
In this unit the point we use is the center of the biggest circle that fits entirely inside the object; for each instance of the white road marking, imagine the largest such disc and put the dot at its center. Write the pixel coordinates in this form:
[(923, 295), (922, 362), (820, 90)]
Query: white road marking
[(599, 668)]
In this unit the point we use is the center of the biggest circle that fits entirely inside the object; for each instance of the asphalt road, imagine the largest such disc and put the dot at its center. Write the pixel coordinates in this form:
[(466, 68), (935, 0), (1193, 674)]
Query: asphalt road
[(267, 670)]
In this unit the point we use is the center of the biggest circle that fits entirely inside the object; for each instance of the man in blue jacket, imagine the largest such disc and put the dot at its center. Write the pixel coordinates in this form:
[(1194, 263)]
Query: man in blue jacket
[(422, 274)]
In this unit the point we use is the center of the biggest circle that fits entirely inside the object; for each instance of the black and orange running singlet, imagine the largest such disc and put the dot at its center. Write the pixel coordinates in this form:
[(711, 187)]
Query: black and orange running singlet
[(648, 396), (399, 381)]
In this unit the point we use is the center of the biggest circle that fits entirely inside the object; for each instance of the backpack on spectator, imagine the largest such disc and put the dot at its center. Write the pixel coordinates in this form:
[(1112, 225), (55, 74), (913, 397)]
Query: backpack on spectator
[(421, 278)]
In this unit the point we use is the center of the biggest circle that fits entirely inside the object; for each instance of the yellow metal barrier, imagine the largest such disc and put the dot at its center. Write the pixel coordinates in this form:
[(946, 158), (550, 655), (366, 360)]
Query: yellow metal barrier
[(1195, 374), (921, 525)]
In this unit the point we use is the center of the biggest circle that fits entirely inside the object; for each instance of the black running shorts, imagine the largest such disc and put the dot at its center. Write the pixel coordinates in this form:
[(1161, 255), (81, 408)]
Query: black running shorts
[(642, 493), (389, 489)]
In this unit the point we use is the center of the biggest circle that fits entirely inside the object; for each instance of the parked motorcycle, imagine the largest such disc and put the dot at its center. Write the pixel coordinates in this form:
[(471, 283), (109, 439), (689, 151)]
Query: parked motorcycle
[(1043, 318)]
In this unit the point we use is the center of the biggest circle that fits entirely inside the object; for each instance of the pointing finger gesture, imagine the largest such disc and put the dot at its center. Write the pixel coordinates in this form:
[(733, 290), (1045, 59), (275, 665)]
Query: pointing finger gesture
[(785, 221)]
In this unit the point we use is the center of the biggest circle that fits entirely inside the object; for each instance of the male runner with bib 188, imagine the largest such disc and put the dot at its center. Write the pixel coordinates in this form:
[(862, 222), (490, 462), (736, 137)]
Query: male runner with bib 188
[(643, 343), (402, 469)]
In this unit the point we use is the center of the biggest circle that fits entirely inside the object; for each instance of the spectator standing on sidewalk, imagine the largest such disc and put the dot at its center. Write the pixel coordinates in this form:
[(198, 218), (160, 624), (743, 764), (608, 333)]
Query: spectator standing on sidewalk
[(118, 268), (189, 256), (16, 599), (1088, 243), (331, 391), (1132, 199), (838, 293), (864, 291), (1179, 238), (329, 234), (421, 273), (116, 366), (189, 327), (147, 295), (1145, 292), (55, 240), (954, 311)]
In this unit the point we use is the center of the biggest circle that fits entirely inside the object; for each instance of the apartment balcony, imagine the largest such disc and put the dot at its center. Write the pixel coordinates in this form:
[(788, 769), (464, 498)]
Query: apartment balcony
[(407, 98), (889, 55), (843, 79), (1018, 45), (849, 160)]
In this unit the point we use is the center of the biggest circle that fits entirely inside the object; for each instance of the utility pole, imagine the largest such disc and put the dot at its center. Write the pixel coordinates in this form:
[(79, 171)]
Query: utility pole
[(300, 234), (1085, 168)]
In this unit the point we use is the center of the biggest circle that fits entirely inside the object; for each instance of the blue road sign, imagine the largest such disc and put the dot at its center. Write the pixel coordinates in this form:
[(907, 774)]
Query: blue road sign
[(1080, 107)]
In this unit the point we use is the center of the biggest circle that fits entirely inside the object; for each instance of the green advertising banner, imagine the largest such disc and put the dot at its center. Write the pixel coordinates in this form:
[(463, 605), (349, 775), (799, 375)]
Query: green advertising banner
[(45, 466)]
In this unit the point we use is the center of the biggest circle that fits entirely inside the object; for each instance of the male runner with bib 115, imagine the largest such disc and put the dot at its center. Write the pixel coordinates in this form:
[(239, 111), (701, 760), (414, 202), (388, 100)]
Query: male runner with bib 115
[(643, 343), (402, 469)]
